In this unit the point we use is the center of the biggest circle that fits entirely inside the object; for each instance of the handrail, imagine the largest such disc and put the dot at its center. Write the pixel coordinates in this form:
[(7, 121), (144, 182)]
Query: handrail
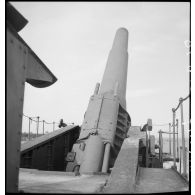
[(181, 149), (180, 101)]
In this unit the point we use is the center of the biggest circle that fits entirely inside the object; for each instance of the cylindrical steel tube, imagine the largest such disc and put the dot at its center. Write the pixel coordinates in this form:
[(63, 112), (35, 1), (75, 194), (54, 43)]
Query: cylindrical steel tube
[(180, 160), (116, 67), (177, 124), (169, 138), (106, 158), (93, 154)]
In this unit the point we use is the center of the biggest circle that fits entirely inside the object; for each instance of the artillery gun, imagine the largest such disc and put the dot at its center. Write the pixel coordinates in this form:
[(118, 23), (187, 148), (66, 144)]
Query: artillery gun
[(106, 120)]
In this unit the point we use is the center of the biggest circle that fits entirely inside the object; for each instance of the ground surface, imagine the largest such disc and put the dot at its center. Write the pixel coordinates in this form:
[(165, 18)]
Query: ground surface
[(34, 181), (154, 180)]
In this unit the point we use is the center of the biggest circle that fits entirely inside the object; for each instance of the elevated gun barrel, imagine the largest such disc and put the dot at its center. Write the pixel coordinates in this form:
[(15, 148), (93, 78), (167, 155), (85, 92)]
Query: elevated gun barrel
[(116, 68)]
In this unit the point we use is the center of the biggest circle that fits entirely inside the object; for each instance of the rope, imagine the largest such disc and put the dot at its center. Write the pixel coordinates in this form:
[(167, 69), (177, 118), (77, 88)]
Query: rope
[(48, 123), (28, 116), (41, 121)]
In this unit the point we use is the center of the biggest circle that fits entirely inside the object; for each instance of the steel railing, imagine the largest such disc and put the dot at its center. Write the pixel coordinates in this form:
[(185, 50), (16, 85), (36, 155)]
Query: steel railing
[(182, 150)]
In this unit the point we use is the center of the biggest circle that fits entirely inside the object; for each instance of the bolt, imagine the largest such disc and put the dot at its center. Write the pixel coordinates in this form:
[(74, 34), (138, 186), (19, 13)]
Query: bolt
[(19, 115)]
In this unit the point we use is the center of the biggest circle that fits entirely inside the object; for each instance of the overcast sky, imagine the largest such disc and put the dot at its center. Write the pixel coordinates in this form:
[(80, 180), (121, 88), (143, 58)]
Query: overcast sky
[(73, 39)]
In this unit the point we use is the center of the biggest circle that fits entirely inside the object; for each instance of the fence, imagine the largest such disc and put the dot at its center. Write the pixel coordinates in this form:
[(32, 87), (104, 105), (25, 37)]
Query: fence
[(37, 126)]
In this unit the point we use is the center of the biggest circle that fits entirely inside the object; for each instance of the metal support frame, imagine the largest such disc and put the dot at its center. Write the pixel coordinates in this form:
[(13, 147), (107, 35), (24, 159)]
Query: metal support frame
[(180, 159), (43, 127), (169, 138), (160, 147), (177, 124), (146, 148), (174, 157), (183, 138)]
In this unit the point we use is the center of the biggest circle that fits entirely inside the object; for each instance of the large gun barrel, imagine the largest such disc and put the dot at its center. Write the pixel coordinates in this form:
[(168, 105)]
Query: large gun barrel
[(106, 120), (115, 75)]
